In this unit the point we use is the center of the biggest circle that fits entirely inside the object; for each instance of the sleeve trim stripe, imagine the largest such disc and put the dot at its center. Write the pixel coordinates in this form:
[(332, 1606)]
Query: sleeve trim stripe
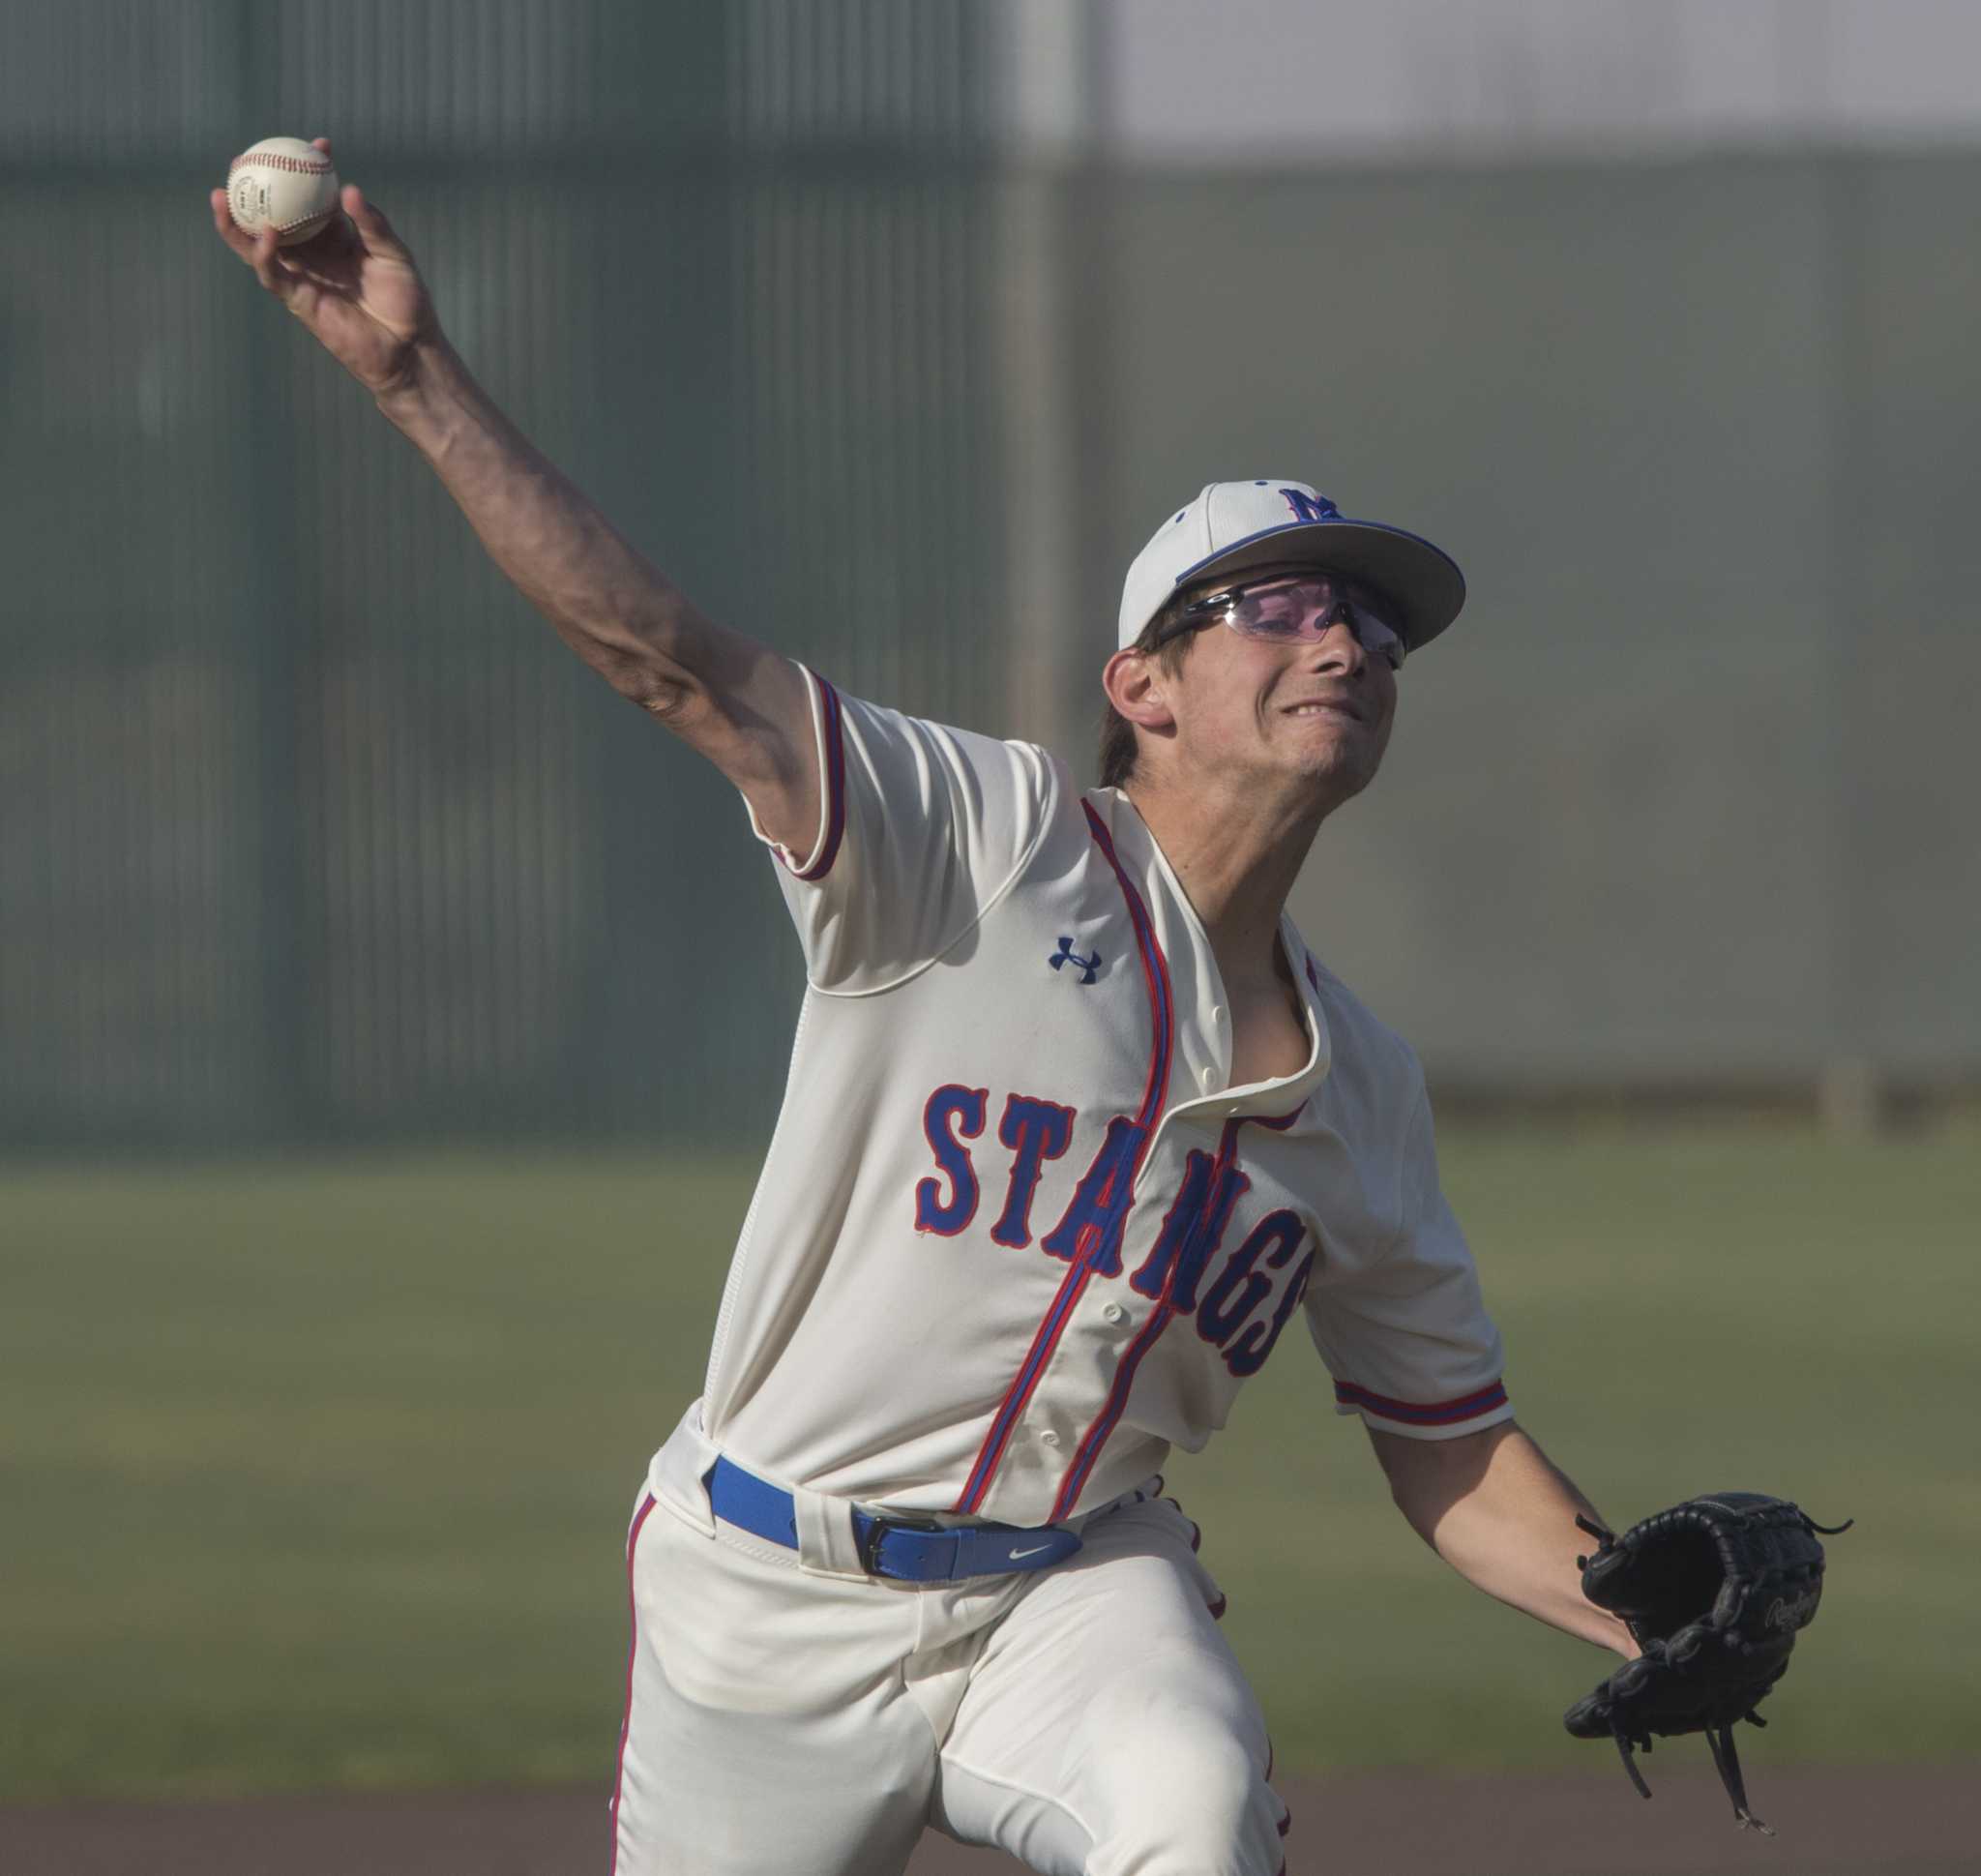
[(1412, 1414), (833, 765)]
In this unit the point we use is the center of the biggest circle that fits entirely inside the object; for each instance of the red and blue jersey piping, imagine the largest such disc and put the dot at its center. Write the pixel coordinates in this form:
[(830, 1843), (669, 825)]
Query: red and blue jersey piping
[(646, 1506), (834, 807), (1156, 974)]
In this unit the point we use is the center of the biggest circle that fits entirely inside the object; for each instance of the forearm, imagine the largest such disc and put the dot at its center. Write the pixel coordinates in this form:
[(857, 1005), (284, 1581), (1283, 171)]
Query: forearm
[(1503, 1516), (602, 597)]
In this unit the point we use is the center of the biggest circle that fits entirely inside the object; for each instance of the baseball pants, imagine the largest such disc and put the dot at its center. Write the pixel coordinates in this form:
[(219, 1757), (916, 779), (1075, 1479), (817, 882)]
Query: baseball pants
[(786, 1715)]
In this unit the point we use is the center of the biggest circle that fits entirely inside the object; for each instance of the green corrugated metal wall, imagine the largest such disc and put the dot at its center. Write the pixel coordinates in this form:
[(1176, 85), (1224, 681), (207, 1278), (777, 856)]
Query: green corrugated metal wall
[(308, 828)]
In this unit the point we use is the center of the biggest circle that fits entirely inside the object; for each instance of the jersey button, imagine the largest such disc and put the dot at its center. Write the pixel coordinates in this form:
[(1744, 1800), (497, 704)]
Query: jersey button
[(1210, 1078), (1113, 1312), (1049, 1438)]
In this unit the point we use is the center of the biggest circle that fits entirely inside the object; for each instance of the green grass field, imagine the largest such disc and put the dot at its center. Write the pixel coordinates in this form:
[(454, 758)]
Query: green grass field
[(316, 1476)]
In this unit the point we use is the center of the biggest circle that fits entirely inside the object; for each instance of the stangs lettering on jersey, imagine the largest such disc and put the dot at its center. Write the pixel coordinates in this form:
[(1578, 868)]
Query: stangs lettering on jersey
[(1240, 1305)]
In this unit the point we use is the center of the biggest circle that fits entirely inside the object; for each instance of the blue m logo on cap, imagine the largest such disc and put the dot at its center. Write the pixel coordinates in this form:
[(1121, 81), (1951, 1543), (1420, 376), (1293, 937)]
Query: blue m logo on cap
[(1310, 508)]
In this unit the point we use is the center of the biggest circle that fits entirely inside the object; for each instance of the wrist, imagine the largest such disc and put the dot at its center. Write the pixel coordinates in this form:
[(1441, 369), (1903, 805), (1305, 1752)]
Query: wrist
[(431, 380)]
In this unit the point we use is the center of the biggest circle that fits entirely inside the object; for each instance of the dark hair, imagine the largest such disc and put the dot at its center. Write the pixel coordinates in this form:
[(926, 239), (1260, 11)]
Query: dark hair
[(1117, 752)]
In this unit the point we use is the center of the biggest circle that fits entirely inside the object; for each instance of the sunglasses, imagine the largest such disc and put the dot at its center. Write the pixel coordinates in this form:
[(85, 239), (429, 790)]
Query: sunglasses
[(1296, 608)]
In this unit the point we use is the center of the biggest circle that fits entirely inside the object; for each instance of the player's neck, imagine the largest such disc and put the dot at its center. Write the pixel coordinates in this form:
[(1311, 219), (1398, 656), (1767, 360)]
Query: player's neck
[(1236, 870)]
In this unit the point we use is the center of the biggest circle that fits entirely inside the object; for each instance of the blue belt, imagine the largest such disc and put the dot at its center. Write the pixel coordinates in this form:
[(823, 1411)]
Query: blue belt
[(916, 1550)]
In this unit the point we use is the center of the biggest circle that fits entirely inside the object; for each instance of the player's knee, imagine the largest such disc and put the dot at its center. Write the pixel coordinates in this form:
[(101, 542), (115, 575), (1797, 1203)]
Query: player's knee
[(1207, 1812)]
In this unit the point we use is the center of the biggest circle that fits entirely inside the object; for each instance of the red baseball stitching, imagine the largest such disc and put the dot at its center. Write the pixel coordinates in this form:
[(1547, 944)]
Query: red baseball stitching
[(301, 165)]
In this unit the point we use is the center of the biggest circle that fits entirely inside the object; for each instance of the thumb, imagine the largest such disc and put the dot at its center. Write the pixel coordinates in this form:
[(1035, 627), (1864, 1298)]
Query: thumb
[(373, 230)]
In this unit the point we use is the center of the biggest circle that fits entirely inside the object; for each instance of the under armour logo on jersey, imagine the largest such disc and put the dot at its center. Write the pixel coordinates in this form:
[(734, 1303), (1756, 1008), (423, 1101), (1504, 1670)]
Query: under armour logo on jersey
[(1068, 955)]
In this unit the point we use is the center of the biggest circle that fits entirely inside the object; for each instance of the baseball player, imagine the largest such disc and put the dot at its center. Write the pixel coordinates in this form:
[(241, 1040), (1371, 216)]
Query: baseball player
[(1077, 1126)]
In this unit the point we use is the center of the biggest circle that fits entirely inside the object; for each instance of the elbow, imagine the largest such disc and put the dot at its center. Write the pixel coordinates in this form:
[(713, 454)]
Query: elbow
[(670, 700), (1421, 1509), (1421, 1494), (657, 685), (1429, 1477)]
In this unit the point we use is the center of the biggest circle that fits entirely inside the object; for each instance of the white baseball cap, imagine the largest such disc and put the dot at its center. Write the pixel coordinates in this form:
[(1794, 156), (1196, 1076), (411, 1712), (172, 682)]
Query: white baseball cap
[(1233, 527)]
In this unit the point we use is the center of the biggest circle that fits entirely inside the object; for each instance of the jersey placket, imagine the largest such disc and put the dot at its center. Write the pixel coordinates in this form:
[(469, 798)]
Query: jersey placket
[(1203, 1048)]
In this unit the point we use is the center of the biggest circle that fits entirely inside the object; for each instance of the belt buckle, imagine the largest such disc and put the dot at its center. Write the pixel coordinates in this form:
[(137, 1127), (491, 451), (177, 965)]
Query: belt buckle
[(867, 1543)]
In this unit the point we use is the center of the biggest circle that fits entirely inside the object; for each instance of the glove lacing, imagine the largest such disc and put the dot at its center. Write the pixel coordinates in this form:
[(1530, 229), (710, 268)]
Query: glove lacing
[(1725, 1761)]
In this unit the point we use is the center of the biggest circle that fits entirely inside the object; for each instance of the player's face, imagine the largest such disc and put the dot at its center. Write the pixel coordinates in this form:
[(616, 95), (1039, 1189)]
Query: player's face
[(1315, 711)]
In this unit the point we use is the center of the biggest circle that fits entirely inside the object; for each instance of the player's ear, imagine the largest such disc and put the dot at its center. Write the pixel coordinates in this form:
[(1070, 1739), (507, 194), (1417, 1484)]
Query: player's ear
[(1137, 688)]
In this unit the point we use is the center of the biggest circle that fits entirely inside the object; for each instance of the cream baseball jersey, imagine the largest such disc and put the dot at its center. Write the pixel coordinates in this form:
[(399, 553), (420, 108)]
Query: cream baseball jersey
[(1014, 1235)]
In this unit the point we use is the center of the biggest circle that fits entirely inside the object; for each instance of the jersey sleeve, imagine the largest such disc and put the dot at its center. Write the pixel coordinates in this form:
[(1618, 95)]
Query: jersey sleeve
[(922, 829), (1408, 1341)]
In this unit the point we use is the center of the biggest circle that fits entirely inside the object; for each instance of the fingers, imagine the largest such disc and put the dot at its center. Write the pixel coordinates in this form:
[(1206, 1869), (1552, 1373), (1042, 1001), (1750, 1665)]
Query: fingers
[(243, 244), (373, 230), (270, 269), (258, 251)]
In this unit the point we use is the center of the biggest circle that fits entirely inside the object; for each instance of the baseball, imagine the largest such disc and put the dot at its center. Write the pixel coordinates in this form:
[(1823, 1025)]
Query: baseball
[(284, 183)]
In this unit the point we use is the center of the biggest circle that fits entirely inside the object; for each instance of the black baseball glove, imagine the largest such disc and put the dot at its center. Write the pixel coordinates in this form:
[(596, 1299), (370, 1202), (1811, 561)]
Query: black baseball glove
[(1714, 1590)]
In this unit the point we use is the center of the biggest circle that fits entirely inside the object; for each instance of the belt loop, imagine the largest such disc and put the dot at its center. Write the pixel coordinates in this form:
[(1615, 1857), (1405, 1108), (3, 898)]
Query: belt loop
[(827, 1545), (679, 1472)]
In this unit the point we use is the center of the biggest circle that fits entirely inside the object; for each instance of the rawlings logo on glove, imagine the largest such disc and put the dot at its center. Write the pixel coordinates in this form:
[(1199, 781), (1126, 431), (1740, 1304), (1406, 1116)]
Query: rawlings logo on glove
[(1714, 1592)]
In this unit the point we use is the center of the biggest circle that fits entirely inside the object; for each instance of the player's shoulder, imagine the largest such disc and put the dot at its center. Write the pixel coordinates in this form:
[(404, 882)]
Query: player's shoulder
[(1011, 760), (1372, 1068), (911, 779)]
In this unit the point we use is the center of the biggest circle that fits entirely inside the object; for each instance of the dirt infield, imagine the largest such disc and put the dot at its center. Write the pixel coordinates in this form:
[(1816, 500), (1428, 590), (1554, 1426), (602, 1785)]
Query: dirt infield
[(1833, 1822)]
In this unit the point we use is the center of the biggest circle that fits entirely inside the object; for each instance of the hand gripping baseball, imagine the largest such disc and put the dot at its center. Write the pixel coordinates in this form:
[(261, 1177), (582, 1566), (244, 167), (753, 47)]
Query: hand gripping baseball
[(354, 285), (1715, 1592)]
